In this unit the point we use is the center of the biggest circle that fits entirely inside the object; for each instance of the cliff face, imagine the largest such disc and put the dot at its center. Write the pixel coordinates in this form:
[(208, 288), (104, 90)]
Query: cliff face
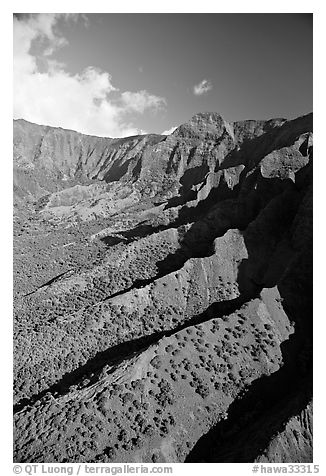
[(166, 276), (76, 175)]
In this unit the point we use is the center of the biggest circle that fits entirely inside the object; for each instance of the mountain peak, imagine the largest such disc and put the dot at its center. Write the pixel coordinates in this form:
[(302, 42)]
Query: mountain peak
[(204, 125)]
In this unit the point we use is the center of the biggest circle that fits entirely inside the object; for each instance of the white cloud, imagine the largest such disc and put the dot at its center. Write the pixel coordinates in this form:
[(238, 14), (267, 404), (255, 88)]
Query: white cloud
[(82, 102), (202, 88), (140, 101), (169, 131)]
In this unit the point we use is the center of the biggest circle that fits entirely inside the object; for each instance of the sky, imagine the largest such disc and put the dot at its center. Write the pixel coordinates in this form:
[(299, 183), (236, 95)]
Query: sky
[(117, 75)]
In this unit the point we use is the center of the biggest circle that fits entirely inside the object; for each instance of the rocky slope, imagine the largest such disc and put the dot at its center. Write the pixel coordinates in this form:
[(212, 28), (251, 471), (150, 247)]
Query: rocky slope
[(167, 279)]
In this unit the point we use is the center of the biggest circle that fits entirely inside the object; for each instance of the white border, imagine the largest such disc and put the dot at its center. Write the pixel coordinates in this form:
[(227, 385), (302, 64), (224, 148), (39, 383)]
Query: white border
[(319, 192)]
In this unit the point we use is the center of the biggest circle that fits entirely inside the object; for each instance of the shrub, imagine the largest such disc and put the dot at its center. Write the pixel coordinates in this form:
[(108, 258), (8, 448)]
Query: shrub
[(217, 385), (187, 366), (149, 430), (137, 441), (202, 389), (127, 445), (123, 435), (138, 385), (156, 362), (171, 420), (137, 404), (201, 349), (165, 396), (164, 428), (127, 397), (110, 452), (218, 351)]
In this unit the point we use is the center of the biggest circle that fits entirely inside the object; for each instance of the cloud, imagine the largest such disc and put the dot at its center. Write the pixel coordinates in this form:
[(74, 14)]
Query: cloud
[(169, 131), (140, 101), (202, 88), (52, 96)]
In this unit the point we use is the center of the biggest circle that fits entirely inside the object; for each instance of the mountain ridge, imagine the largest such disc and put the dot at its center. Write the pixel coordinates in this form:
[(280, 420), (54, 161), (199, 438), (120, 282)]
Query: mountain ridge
[(131, 255)]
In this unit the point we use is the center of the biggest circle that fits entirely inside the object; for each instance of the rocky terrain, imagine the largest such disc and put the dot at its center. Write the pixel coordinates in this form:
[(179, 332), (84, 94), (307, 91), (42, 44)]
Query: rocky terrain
[(163, 293)]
